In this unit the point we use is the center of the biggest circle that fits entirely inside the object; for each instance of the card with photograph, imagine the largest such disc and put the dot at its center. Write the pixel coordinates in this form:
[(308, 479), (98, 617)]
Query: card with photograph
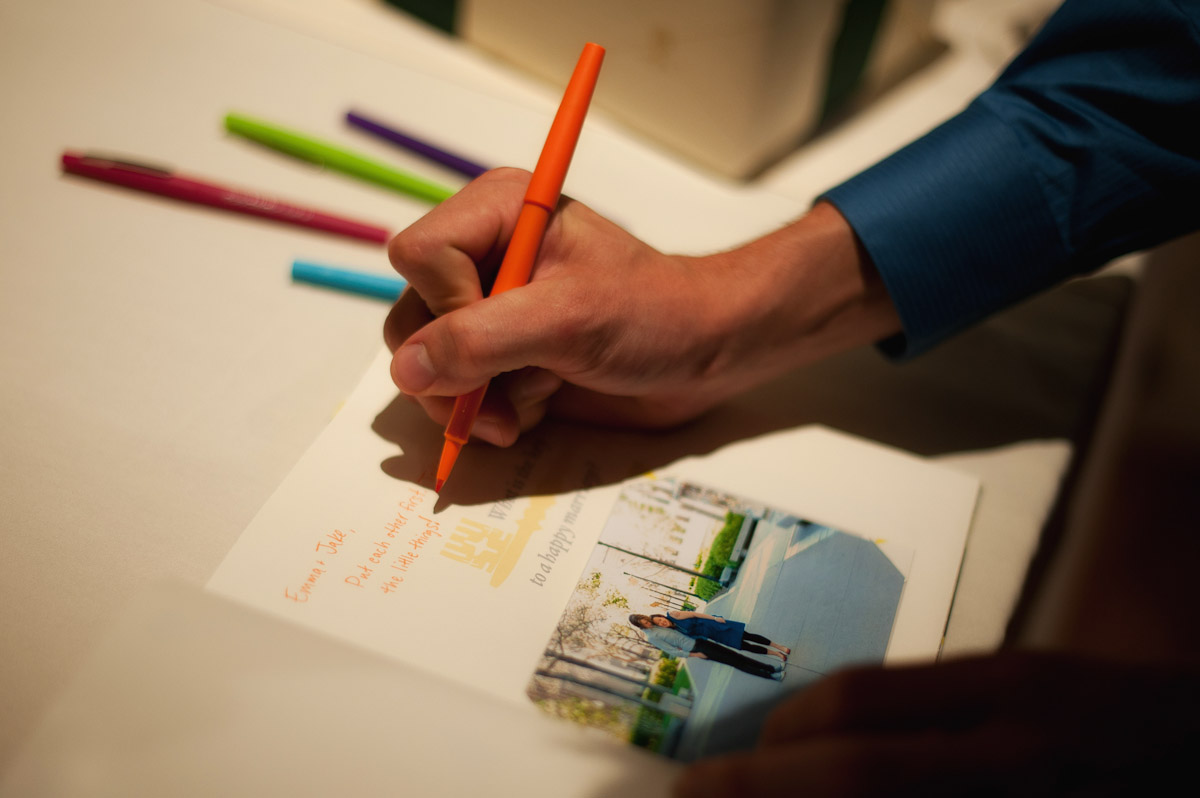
[(699, 610)]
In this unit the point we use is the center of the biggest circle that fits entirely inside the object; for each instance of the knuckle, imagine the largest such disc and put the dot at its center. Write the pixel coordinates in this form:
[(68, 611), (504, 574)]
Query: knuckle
[(402, 250), (504, 176), (412, 249), (457, 344)]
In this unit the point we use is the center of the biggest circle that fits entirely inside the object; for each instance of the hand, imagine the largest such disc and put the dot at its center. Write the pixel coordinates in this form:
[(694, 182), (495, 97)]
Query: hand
[(1015, 724), (608, 329)]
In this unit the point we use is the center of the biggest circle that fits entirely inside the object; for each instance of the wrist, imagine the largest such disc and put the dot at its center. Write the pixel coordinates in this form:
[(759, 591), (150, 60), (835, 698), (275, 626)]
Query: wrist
[(802, 293)]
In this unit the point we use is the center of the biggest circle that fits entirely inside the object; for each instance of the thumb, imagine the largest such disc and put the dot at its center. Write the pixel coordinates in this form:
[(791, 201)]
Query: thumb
[(460, 351)]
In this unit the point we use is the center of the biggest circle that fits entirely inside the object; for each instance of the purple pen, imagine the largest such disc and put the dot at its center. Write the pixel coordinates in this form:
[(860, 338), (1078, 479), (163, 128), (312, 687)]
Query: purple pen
[(424, 149)]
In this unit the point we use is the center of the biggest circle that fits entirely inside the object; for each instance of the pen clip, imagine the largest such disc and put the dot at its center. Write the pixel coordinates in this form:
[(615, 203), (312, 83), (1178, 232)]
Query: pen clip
[(103, 161)]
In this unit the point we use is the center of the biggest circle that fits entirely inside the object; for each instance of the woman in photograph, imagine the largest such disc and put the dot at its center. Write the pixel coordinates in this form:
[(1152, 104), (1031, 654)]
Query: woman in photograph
[(665, 634), (727, 633)]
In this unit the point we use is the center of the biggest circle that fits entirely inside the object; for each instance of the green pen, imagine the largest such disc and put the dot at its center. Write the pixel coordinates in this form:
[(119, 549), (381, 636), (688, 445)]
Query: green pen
[(327, 155)]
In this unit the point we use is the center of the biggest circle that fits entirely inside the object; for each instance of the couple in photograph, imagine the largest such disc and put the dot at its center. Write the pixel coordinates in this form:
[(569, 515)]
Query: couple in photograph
[(683, 633)]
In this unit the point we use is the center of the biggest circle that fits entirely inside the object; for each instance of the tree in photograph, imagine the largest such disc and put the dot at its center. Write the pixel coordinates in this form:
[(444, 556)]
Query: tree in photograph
[(579, 627), (623, 693)]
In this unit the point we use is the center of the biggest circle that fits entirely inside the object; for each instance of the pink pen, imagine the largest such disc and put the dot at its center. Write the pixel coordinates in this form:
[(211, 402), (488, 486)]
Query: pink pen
[(157, 180)]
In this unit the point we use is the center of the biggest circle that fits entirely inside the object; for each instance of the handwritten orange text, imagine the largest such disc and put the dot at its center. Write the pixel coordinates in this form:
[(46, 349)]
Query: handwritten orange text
[(302, 593), (332, 541), (399, 562)]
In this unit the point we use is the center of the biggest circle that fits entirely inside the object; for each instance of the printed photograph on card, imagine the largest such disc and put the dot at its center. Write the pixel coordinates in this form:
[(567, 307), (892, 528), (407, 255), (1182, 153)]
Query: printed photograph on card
[(698, 611)]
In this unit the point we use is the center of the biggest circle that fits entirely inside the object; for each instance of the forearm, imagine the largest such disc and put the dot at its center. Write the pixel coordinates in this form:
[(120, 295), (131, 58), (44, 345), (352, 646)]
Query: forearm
[(800, 294), (699, 615)]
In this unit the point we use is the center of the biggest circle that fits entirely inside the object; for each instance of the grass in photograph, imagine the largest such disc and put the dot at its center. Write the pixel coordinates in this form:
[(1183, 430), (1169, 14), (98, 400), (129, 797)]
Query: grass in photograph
[(718, 556), (650, 727)]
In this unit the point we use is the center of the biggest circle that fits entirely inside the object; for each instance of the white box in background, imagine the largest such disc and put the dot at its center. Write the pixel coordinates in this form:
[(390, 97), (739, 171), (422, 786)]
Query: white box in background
[(732, 86)]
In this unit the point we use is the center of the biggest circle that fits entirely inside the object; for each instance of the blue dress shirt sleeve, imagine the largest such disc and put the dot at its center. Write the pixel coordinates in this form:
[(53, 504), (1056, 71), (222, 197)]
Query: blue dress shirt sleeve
[(1087, 147)]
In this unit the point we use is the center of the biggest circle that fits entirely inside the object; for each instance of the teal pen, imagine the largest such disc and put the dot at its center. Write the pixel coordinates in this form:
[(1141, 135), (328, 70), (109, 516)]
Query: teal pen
[(321, 153), (380, 286)]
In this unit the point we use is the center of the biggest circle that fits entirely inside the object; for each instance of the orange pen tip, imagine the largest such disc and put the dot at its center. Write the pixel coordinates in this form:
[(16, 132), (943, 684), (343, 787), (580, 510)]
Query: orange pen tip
[(450, 450)]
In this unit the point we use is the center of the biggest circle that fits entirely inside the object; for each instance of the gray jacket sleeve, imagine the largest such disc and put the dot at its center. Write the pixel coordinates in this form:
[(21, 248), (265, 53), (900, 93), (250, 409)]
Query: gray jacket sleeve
[(672, 641)]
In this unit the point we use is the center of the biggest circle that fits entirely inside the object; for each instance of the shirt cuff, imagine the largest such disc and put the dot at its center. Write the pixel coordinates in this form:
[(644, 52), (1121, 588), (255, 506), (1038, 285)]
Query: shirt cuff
[(957, 225)]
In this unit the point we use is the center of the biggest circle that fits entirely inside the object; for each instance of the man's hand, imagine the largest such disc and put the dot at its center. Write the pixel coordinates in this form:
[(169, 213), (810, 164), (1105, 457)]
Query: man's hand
[(1013, 724), (608, 329)]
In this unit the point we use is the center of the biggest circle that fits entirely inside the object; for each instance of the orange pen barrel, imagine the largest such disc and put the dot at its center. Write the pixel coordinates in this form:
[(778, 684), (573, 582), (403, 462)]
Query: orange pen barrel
[(541, 197), (551, 170)]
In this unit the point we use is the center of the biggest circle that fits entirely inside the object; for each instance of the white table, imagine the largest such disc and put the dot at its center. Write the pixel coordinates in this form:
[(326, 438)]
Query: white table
[(161, 374)]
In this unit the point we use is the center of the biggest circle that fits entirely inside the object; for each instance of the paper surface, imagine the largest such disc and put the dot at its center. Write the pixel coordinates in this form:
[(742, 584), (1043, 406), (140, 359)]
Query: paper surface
[(470, 586), (190, 694)]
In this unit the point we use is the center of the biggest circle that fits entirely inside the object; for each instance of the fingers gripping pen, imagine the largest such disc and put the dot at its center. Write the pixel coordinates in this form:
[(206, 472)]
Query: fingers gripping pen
[(540, 200)]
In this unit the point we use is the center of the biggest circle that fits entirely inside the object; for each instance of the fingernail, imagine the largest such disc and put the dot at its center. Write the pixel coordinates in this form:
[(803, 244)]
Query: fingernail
[(412, 371)]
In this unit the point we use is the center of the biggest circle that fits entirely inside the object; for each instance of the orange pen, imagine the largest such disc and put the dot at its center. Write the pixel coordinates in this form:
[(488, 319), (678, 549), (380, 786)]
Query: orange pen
[(540, 200)]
